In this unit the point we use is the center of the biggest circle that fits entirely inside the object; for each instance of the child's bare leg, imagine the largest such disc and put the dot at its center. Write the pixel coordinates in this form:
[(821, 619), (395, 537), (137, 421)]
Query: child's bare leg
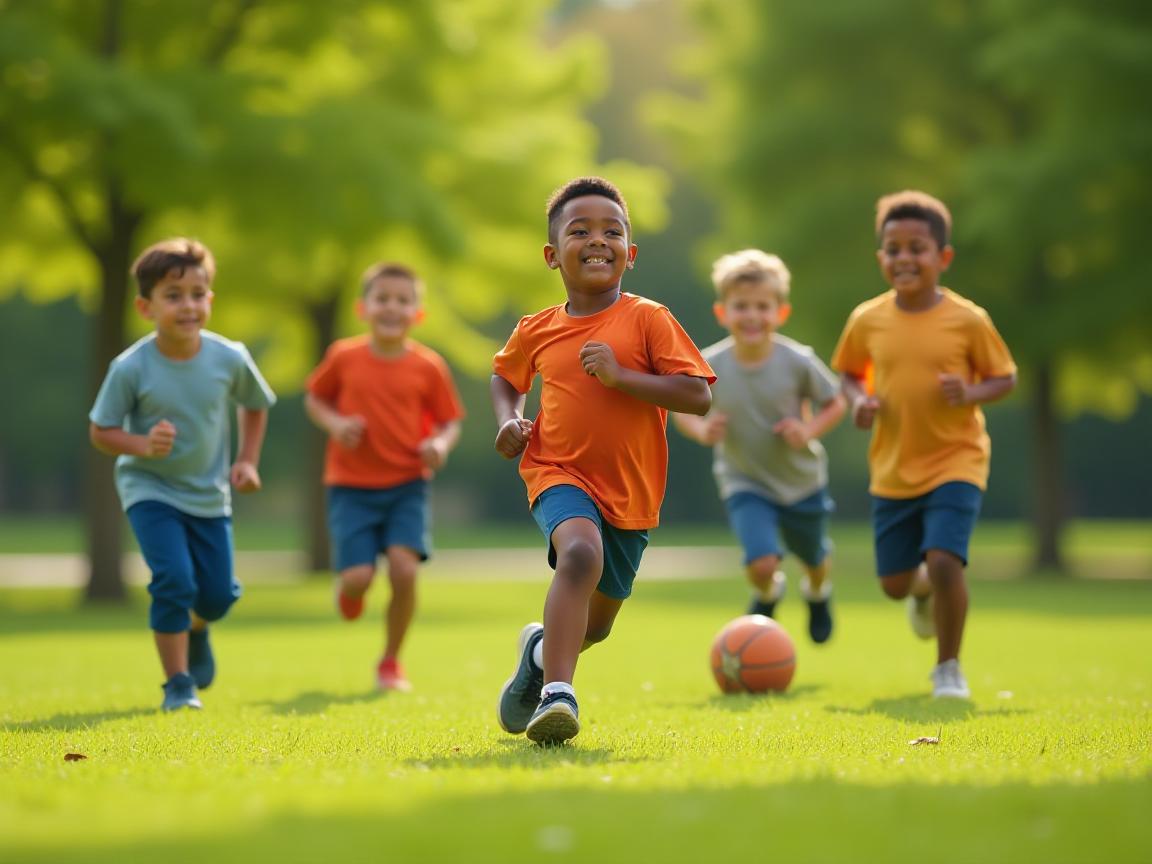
[(817, 575), (402, 566), (579, 563), (946, 573), (173, 651), (602, 612), (355, 580), (761, 571), (900, 585)]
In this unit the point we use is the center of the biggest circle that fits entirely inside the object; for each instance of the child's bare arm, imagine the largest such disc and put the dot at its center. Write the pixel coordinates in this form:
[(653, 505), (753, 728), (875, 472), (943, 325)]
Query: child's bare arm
[(862, 406), (435, 448), (116, 441), (344, 430), (798, 432), (251, 423), (703, 430), (685, 394), (958, 392), (513, 431)]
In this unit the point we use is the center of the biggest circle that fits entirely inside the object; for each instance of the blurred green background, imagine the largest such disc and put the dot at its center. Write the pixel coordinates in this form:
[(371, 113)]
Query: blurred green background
[(302, 141)]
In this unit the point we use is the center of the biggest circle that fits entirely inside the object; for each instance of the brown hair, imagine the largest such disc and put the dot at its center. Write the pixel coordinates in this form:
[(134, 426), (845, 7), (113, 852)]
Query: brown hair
[(386, 269), (755, 267), (914, 204), (175, 253)]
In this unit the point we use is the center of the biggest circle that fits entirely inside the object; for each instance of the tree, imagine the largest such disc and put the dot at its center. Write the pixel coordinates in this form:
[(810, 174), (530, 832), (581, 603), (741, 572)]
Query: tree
[(301, 141), (1025, 116)]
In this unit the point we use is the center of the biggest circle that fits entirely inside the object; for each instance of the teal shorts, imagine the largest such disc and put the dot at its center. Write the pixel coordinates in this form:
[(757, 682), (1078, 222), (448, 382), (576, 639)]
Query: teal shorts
[(623, 548)]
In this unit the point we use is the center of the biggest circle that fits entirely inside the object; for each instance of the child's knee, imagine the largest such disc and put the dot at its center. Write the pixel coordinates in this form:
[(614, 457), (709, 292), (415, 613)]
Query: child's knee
[(213, 604), (357, 580), (943, 566), (897, 586), (580, 557), (597, 633), (763, 568)]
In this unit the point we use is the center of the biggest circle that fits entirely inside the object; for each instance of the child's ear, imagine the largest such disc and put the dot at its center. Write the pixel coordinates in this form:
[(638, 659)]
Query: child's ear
[(550, 257), (360, 308), (419, 317), (721, 313), (144, 307), (946, 256), (782, 314)]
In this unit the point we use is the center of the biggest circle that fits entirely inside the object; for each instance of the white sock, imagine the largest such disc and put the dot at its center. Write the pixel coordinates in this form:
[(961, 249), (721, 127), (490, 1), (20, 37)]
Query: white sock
[(775, 589), (538, 654), (823, 594), (557, 687)]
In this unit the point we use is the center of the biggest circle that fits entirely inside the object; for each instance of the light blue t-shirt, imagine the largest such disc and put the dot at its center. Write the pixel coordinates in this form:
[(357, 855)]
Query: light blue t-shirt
[(753, 458), (197, 396)]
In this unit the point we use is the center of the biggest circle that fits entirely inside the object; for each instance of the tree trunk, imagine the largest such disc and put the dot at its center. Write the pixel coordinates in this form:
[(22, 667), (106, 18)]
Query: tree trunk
[(322, 314), (1048, 513)]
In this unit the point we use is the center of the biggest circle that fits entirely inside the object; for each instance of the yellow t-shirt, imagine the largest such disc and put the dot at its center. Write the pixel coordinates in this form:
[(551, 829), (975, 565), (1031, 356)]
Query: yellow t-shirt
[(919, 441)]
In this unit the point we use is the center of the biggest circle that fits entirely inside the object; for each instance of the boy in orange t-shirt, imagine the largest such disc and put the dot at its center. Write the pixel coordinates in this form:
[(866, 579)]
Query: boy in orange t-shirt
[(934, 358), (392, 415), (595, 459)]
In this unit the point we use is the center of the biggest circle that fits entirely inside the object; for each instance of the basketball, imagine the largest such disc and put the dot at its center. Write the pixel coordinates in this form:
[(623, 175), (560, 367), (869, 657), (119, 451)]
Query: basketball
[(752, 654)]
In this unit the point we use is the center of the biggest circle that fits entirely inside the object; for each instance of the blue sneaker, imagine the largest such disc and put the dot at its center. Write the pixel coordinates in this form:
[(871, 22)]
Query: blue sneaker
[(180, 692), (201, 663), (556, 720), (521, 693)]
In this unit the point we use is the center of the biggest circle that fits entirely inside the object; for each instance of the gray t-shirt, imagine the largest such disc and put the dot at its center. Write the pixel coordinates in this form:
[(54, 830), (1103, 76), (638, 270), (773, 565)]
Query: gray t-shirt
[(753, 458), (143, 387)]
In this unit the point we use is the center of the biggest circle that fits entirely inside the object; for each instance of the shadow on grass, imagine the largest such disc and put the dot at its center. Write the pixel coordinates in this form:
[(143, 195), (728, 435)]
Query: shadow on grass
[(740, 702), (923, 708), (519, 752), (318, 701), (72, 722)]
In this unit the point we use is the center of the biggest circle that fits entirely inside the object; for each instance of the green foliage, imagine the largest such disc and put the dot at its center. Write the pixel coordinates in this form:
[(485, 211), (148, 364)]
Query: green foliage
[(295, 759), (1027, 117)]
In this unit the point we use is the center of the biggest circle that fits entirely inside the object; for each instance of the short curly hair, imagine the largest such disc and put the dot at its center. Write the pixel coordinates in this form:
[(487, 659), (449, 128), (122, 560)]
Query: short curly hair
[(577, 188), (914, 204), (755, 267), (175, 253)]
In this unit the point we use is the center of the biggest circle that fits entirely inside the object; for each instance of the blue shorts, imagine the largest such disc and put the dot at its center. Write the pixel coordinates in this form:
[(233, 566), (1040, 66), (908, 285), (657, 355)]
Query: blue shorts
[(623, 548), (906, 528), (365, 522), (759, 524), (191, 562)]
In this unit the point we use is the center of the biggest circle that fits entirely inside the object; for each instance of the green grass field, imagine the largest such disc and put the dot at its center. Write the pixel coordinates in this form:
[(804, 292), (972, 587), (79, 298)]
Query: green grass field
[(296, 759)]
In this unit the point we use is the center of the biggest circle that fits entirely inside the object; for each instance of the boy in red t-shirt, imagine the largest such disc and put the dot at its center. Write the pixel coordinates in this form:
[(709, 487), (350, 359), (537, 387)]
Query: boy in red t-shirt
[(392, 415), (595, 459)]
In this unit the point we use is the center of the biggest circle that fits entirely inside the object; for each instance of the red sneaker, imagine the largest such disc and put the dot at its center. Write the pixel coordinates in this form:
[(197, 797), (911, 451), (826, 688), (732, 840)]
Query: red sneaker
[(350, 608), (390, 676)]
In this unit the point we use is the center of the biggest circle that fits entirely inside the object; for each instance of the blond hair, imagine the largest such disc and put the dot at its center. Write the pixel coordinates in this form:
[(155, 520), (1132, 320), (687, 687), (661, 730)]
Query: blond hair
[(752, 266)]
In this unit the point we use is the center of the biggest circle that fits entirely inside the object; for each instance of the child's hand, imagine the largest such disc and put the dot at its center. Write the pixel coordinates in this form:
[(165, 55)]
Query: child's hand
[(864, 411), (245, 477), (794, 431), (160, 440), (348, 431), (955, 389), (713, 428), (434, 452), (513, 437), (599, 359)]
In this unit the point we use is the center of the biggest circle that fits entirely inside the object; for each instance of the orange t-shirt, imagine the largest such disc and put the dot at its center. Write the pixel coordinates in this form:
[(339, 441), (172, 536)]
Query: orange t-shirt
[(919, 441), (403, 399), (610, 444)]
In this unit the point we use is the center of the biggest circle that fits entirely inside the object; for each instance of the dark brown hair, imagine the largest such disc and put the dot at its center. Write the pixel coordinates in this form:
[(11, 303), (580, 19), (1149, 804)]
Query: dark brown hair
[(385, 269), (175, 253)]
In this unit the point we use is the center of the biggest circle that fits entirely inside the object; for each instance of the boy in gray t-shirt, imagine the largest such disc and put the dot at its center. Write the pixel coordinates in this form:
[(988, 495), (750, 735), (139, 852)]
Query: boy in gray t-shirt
[(163, 410), (772, 400)]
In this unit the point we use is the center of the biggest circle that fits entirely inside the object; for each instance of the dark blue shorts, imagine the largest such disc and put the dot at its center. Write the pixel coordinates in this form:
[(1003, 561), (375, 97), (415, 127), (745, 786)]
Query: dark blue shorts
[(191, 562), (365, 522), (904, 529), (623, 548), (760, 524)]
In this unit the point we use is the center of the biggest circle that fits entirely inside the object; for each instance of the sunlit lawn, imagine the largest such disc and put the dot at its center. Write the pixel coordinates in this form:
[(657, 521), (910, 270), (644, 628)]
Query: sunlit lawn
[(295, 759)]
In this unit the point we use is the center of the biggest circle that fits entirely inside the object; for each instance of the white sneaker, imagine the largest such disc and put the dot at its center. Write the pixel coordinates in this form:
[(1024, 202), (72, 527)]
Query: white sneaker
[(922, 616), (948, 681)]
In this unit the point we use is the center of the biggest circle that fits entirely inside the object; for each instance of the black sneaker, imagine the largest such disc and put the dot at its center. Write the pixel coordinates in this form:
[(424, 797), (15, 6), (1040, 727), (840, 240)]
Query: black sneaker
[(201, 663), (556, 720), (180, 692), (820, 619), (521, 693)]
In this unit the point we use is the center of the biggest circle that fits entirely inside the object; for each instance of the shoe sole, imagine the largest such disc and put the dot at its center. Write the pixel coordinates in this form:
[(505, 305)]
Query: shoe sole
[(525, 634), (927, 630), (555, 726)]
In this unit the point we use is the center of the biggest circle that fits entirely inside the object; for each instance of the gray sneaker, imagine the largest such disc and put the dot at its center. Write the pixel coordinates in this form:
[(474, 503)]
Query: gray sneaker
[(521, 693), (922, 615), (948, 681), (556, 720), (180, 692)]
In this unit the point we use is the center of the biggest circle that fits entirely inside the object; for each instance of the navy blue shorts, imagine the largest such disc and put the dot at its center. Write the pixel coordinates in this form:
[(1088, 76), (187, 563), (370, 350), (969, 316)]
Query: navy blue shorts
[(623, 548), (904, 529), (760, 524), (365, 522), (191, 562)]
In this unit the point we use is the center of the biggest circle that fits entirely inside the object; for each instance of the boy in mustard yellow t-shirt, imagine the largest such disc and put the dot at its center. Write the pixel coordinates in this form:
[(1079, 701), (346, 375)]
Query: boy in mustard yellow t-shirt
[(934, 358), (595, 459)]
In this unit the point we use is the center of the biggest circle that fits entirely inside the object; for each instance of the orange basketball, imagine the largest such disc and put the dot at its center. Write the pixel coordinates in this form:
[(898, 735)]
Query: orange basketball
[(752, 654)]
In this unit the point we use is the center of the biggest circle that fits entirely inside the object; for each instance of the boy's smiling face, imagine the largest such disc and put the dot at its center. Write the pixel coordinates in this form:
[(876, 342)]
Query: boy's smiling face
[(180, 304), (591, 248), (751, 311), (911, 259), (390, 307)]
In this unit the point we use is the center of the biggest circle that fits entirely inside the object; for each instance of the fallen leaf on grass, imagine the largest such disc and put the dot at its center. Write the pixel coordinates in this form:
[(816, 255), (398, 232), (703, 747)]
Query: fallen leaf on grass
[(74, 757), (926, 739)]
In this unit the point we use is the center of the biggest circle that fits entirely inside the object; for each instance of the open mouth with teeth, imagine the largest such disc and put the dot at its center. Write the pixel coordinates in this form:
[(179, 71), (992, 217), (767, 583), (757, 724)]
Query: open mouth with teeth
[(597, 259)]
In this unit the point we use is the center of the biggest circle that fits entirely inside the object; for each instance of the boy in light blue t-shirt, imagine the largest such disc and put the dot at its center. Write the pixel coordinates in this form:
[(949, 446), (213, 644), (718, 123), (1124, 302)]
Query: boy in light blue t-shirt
[(163, 410), (772, 401)]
